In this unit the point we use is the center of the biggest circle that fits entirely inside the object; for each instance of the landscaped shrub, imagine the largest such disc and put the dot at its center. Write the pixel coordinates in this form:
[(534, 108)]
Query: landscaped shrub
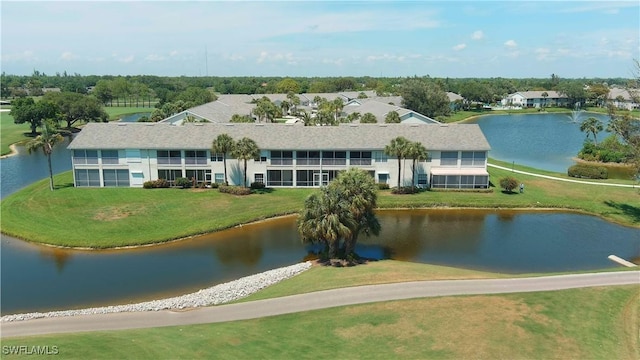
[(257, 185), (508, 183), (588, 172), (383, 186), (403, 190), (214, 185), (183, 182), (234, 190), (156, 184)]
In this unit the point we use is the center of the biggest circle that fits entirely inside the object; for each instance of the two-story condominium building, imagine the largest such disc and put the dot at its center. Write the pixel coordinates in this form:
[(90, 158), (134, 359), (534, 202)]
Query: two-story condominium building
[(128, 154)]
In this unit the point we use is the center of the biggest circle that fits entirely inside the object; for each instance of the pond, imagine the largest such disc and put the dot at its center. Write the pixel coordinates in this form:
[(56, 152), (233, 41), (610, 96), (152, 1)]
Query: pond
[(134, 117), (542, 141), (42, 278)]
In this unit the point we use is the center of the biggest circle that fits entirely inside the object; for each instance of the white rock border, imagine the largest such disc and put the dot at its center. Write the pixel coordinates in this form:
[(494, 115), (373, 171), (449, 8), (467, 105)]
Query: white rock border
[(215, 295)]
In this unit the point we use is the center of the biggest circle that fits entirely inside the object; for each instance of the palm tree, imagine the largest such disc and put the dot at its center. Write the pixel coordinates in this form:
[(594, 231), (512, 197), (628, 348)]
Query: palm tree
[(306, 118), (397, 148), (358, 189), (47, 139), (246, 149), (593, 126), (325, 219), (415, 151), (336, 105), (223, 144), (368, 118), (544, 96), (392, 118), (354, 116)]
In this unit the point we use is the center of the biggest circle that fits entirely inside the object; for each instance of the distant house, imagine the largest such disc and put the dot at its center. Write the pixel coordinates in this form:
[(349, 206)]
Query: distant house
[(535, 99), (622, 99), (129, 154), (380, 110)]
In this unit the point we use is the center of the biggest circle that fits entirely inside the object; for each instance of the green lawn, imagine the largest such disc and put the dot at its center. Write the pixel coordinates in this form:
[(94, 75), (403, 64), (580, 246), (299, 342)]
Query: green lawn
[(589, 323), (11, 133), (111, 217)]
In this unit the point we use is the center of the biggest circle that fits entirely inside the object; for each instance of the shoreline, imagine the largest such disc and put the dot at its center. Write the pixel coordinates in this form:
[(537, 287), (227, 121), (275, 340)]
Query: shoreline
[(214, 295)]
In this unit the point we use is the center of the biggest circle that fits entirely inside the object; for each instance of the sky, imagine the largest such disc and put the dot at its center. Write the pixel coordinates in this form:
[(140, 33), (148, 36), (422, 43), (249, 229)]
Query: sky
[(511, 39)]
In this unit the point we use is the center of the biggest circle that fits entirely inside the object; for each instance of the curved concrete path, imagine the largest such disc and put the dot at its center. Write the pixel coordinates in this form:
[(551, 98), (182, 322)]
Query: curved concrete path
[(562, 179), (314, 301)]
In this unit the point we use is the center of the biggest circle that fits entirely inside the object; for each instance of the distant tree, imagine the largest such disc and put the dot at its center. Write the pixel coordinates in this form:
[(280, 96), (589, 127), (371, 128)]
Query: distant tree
[(294, 101), (574, 91), (76, 108), (354, 116), (362, 95), (508, 183), (195, 96), (425, 97), (245, 149), (237, 118), (224, 145), (47, 139), (26, 110), (288, 85), (592, 126), (104, 92), (368, 118), (392, 118), (398, 148)]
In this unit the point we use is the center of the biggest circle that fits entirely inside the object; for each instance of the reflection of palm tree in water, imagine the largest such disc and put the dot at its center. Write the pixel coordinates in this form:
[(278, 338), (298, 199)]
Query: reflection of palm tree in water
[(247, 252), (60, 257)]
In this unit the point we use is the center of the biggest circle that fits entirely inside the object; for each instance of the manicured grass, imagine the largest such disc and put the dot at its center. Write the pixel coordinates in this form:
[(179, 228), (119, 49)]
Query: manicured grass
[(590, 323), (11, 133), (111, 217)]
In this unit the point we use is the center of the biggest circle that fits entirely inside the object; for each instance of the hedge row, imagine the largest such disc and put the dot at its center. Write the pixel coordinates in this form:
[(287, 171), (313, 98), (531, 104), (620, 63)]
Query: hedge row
[(588, 172)]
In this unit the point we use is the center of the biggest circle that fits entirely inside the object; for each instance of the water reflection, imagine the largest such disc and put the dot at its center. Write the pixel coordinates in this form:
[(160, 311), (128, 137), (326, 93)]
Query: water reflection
[(39, 278)]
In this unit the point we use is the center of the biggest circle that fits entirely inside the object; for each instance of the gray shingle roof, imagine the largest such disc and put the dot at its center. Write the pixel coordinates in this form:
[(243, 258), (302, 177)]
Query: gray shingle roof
[(277, 136)]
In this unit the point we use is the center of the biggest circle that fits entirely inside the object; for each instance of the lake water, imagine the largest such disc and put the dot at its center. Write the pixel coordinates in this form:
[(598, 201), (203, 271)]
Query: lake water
[(541, 141), (41, 278)]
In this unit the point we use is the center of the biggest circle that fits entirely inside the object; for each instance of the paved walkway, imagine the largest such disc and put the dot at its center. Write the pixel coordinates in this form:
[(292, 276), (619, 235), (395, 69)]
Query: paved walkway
[(314, 301), (562, 179)]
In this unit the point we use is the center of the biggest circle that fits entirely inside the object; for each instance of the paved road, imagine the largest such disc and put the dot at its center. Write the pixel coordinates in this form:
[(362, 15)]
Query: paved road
[(562, 179), (314, 301)]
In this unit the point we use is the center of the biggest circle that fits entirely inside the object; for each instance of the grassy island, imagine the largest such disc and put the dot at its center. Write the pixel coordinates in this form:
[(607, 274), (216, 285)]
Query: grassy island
[(116, 217)]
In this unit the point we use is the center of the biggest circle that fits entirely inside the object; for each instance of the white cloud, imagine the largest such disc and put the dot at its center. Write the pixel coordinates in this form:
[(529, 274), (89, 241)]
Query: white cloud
[(173, 53), (234, 57), (287, 58), (511, 44), (459, 47), (542, 53), (67, 55), (477, 35), (387, 57), (154, 57), (125, 59), (26, 55)]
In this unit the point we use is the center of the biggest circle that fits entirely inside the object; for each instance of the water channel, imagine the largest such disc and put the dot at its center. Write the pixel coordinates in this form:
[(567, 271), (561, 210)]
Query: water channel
[(41, 278)]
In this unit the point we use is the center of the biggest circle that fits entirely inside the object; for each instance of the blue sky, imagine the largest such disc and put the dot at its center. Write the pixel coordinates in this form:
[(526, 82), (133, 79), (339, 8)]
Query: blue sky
[(322, 38)]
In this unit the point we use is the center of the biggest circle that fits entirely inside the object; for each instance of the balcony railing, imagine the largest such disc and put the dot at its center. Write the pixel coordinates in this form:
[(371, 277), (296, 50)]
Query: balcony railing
[(313, 161), (282, 161), (195, 161), (360, 161), (169, 161)]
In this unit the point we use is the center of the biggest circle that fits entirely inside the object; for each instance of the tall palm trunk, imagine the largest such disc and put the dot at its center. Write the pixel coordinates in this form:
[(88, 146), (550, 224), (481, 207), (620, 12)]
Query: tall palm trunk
[(224, 163), (50, 171)]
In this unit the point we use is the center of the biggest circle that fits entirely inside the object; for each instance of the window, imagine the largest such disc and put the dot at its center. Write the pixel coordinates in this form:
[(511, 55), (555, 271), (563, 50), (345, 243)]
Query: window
[(200, 176), (110, 157), (133, 155), (383, 178), (460, 181), (169, 175), (195, 157), (259, 178), (217, 157), (422, 180), (116, 177), (87, 177), (219, 178), (281, 157), (380, 156), (308, 157), (360, 157), (280, 177), (85, 157), (334, 158), (473, 158), (169, 157), (449, 158)]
